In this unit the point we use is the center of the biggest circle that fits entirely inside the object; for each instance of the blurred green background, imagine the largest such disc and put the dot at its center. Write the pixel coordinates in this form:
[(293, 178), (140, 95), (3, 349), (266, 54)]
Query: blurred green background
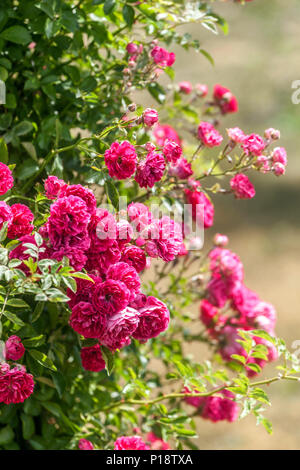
[(258, 61)]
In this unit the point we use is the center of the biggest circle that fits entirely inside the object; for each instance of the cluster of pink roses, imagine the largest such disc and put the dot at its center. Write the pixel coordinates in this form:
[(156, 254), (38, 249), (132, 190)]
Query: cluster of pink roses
[(217, 407), (15, 383), (229, 306), (131, 443), (159, 58), (123, 162), (222, 98), (112, 308)]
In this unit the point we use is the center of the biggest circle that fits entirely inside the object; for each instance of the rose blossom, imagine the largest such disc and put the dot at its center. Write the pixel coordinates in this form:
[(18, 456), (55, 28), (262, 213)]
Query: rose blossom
[(127, 274), (130, 443), (21, 223), (278, 169), (110, 297), (225, 99), (83, 291), (119, 328), (182, 169), (253, 144), (201, 89), (120, 160), (134, 256), (156, 442), (162, 132), (208, 313), (272, 134), (84, 193), (132, 48), (236, 135), (202, 207), (164, 238), (185, 87), (218, 408), (87, 321), (53, 186), (15, 384), (242, 187), (99, 262), (14, 348), (68, 216), (279, 155), (218, 291), (172, 151), (6, 179), (91, 358), (139, 215), (221, 240), (154, 319), (243, 300), (226, 264), (84, 444), (150, 170), (209, 136), (150, 117), (5, 214), (162, 57)]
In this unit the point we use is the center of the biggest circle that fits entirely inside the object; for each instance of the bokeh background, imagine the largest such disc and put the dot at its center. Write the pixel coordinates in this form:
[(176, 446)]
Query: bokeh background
[(258, 60)]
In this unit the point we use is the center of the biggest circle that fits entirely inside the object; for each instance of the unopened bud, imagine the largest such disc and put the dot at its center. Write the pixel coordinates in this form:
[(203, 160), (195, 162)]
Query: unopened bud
[(132, 107)]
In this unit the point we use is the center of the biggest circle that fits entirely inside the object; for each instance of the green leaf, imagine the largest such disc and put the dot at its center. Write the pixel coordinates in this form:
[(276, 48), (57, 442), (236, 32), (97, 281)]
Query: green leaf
[(28, 427), (267, 425), (208, 56), (239, 358), (88, 84), (82, 276), (3, 74), (6, 435), (109, 6), (128, 14), (42, 359), (70, 283), (23, 128), (34, 342), (184, 432), (13, 318), (263, 334), (254, 367), (17, 303), (260, 395), (59, 382), (11, 102), (3, 231), (109, 359), (157, 92), (16, 34), (112, 193)]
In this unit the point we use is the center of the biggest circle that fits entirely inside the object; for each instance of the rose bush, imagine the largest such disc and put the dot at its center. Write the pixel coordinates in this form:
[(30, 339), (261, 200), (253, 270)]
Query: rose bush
[(91, 290)]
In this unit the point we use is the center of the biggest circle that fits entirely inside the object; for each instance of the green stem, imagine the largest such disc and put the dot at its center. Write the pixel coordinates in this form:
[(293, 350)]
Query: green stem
[(170, 396)]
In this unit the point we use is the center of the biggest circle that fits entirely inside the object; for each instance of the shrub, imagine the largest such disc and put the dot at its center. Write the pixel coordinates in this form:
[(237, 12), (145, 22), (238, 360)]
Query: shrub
[(90, 295)]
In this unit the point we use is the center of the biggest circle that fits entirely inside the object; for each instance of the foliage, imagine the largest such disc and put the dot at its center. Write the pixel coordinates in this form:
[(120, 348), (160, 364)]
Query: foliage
[(69, 85)]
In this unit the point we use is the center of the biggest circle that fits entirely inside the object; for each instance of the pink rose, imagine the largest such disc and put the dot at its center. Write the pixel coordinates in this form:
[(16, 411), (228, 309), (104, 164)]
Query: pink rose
[(14, 348), (121, 160), (208, 135), (154, 319), (242, 187)]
